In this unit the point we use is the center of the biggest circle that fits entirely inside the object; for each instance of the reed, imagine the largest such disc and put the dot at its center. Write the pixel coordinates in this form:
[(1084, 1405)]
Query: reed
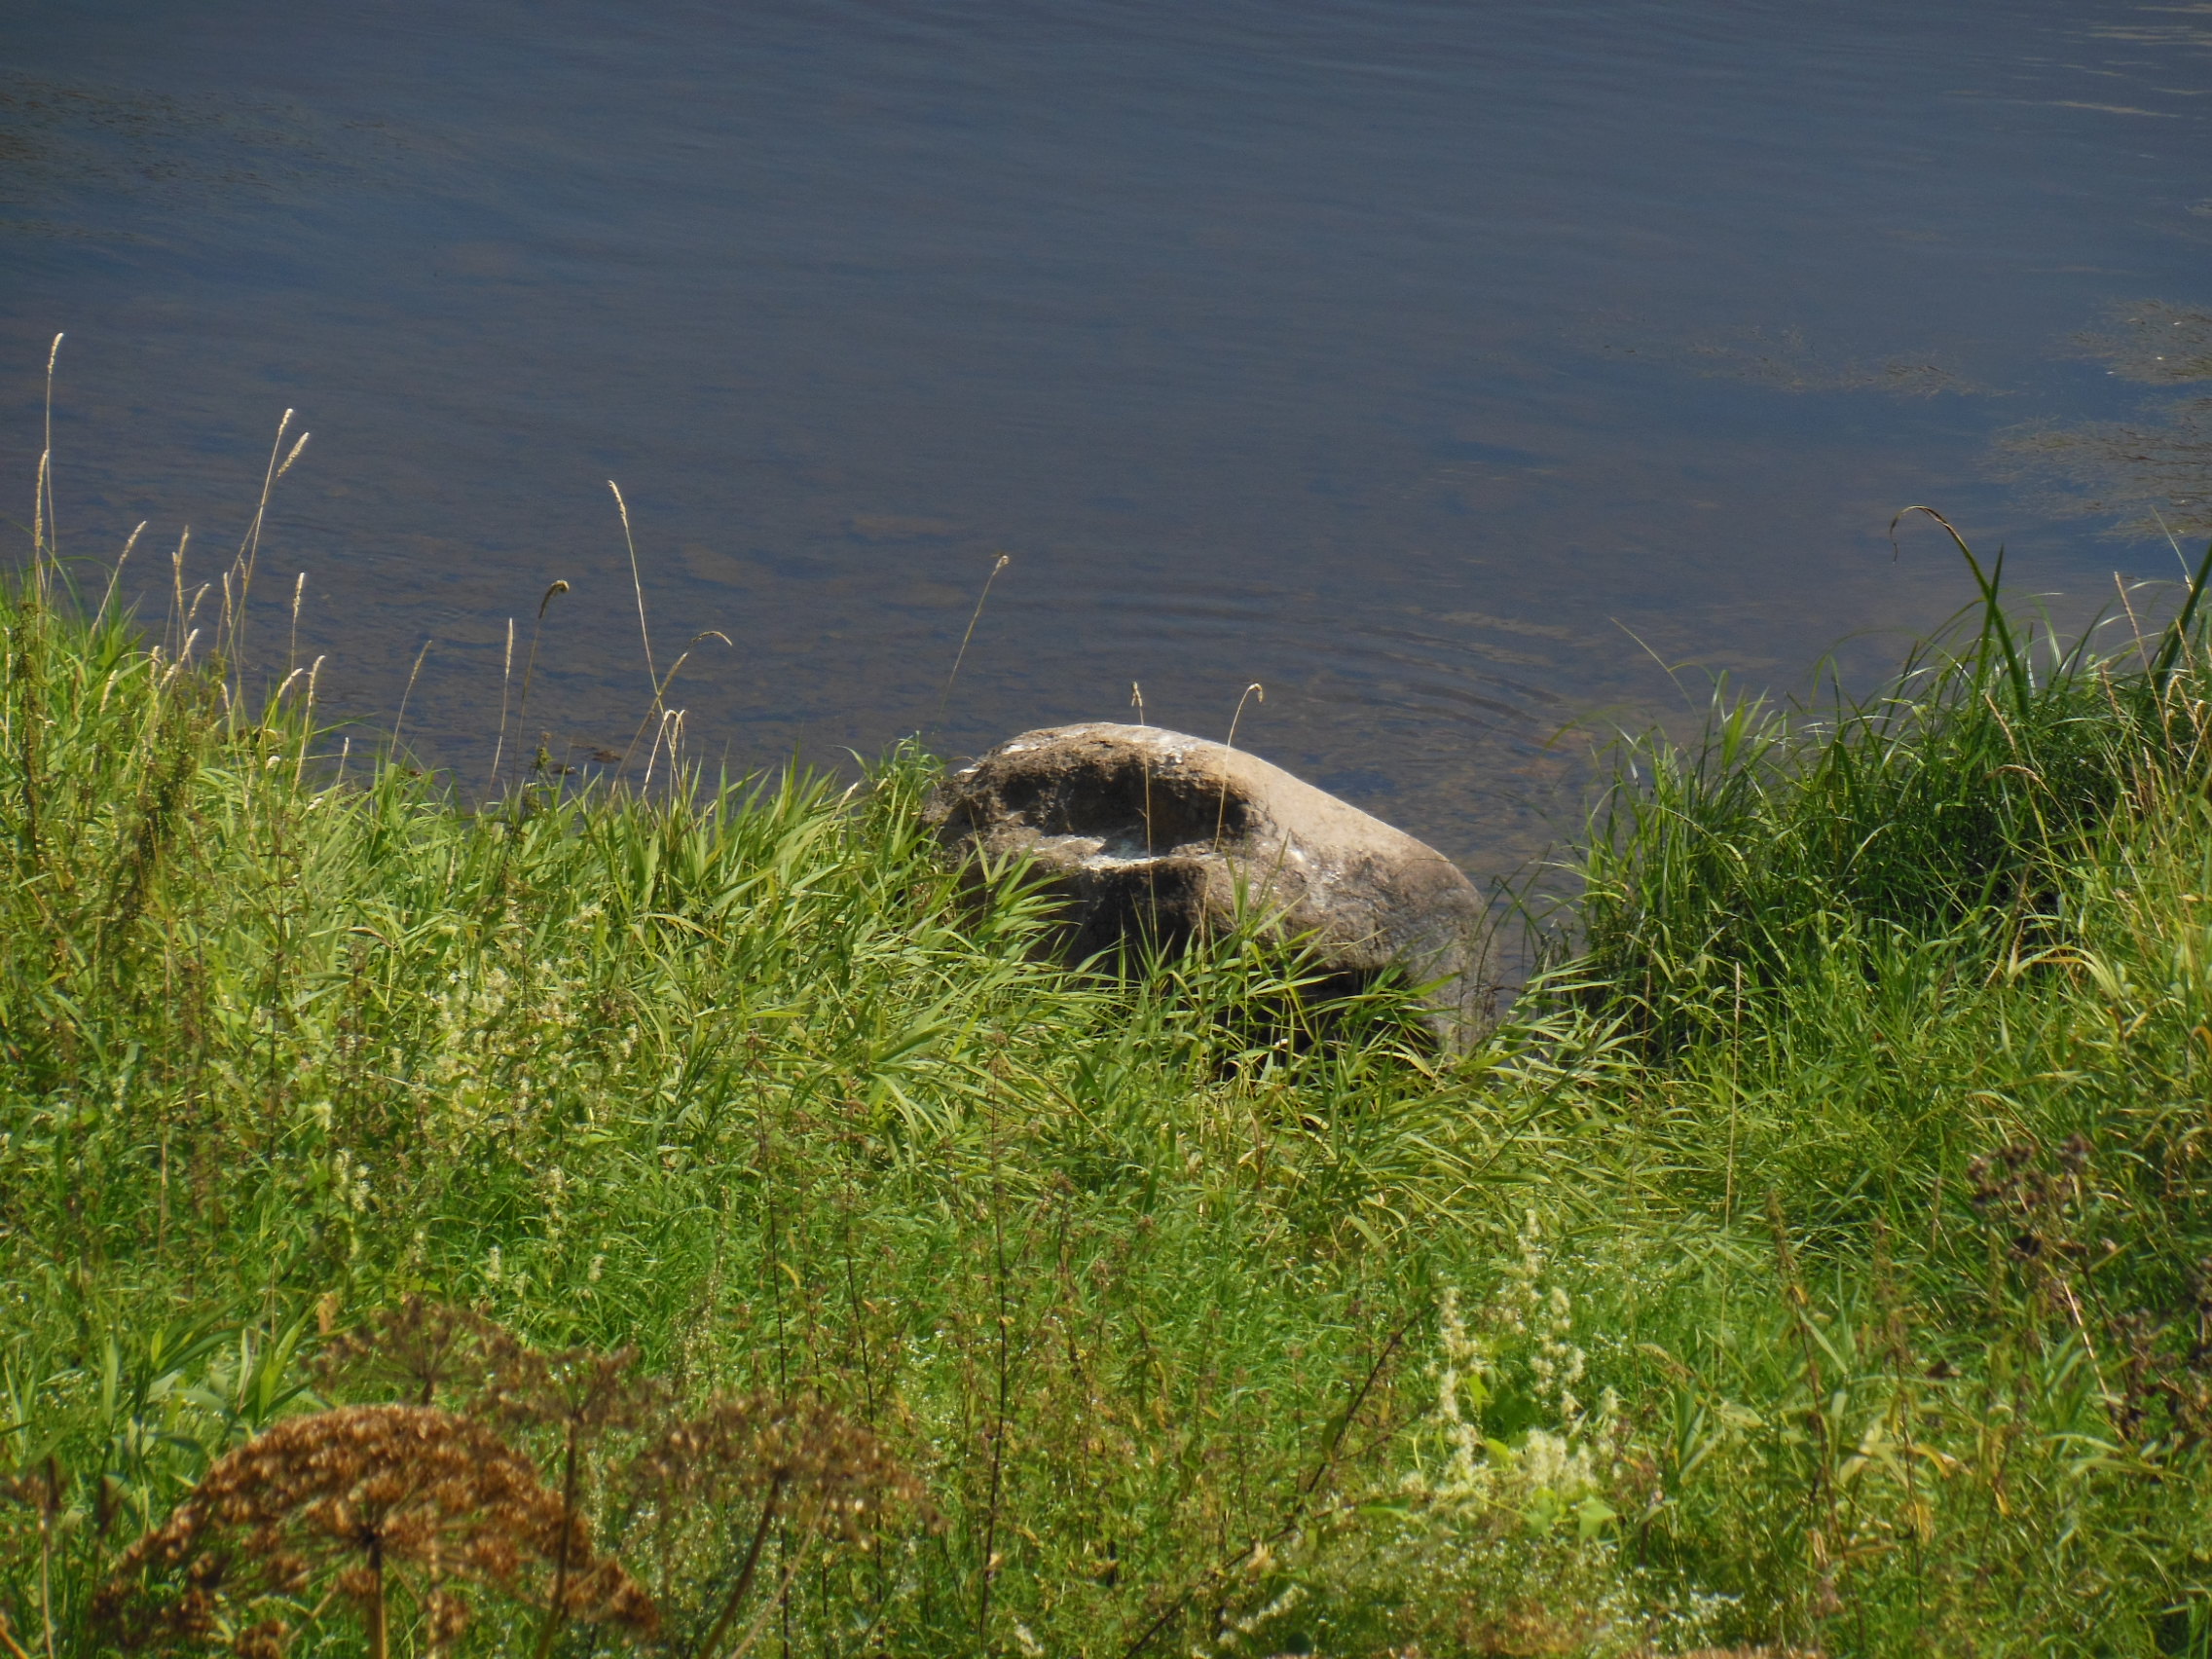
[(1940, 809)]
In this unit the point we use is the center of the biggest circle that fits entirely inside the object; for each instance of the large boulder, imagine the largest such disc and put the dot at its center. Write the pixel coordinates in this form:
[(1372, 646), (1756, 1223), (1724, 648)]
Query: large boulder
[(1152, 834)]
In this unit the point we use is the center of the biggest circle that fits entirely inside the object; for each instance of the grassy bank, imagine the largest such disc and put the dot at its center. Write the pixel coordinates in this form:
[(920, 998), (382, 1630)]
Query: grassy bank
[(685, 1223)]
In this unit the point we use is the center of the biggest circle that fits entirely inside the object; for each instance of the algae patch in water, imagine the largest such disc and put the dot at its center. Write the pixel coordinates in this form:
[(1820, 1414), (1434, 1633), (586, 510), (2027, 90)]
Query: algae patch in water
[(2150, 474), (1784, 360)]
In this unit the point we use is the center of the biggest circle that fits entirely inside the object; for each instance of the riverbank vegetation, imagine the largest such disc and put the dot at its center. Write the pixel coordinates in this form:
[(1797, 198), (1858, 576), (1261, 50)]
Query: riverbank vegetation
[(687, 1223)]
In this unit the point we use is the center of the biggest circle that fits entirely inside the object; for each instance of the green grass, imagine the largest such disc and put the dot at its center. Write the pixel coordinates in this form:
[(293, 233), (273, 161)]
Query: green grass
[(1811, 1261)]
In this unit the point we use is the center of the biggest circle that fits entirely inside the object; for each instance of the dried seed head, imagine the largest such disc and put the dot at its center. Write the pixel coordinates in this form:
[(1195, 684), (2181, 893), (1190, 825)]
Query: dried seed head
[(350, 1500), (574, 1390), (745, 1447), (418, 1348)]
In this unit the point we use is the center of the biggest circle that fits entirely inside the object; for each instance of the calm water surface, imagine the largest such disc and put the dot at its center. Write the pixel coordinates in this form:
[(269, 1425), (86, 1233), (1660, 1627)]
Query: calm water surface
[(1446, 368)]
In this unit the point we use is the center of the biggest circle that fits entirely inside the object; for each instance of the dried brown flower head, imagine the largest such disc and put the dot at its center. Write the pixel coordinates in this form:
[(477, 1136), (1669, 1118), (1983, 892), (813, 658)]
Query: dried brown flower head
[(415, 1350), (40, 1488), (354, 1500), (579, 1391), (797, 1464), (754, 1444)]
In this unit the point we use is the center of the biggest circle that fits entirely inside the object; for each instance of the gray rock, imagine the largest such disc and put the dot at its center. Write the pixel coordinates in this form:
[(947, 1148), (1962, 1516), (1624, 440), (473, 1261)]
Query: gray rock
[(1144, 833)]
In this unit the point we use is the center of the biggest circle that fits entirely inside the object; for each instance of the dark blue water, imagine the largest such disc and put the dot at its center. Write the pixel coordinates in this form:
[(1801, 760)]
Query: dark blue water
[(1447, 368)]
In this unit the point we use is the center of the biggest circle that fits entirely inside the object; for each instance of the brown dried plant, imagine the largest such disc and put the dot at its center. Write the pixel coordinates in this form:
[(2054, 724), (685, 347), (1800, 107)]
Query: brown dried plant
[(40, 1488), (798, 1465), (350, 1501), (579, 1395), (417, 1349), (580, 1392), (582, 1397)]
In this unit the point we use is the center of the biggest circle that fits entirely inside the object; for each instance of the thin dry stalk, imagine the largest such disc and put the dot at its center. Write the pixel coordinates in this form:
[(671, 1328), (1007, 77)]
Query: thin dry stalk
[(671, 731), (292, 648), (790, 1576), (40, 558), (584, 1395), (1144, 766), (176, 567), (797, 1460), (530, 662), (506, 680), (42, 1490), (2134, 623), (115, 576), (1294, 1516), (745, 1573), (45, 547), (401, 717), (249, 548), (46, 1519), (307, 724), (944, 702), (1220, 813), (659, 703), (2167, 530), (636, 586)]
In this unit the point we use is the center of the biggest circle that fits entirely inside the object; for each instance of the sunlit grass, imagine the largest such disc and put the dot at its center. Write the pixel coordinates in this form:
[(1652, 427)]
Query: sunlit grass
[(1813, 1260)]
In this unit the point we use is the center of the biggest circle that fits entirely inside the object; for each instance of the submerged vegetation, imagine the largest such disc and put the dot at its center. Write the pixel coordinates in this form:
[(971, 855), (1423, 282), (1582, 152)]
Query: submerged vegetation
[(690, 1223), (2150, 475)]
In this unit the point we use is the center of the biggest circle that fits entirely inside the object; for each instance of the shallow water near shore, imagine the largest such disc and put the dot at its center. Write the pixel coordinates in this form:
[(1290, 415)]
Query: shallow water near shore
[(1454, 372)]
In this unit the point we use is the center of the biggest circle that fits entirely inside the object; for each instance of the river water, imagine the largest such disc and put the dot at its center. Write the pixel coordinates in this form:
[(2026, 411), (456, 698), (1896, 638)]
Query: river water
[(1473, 376)]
